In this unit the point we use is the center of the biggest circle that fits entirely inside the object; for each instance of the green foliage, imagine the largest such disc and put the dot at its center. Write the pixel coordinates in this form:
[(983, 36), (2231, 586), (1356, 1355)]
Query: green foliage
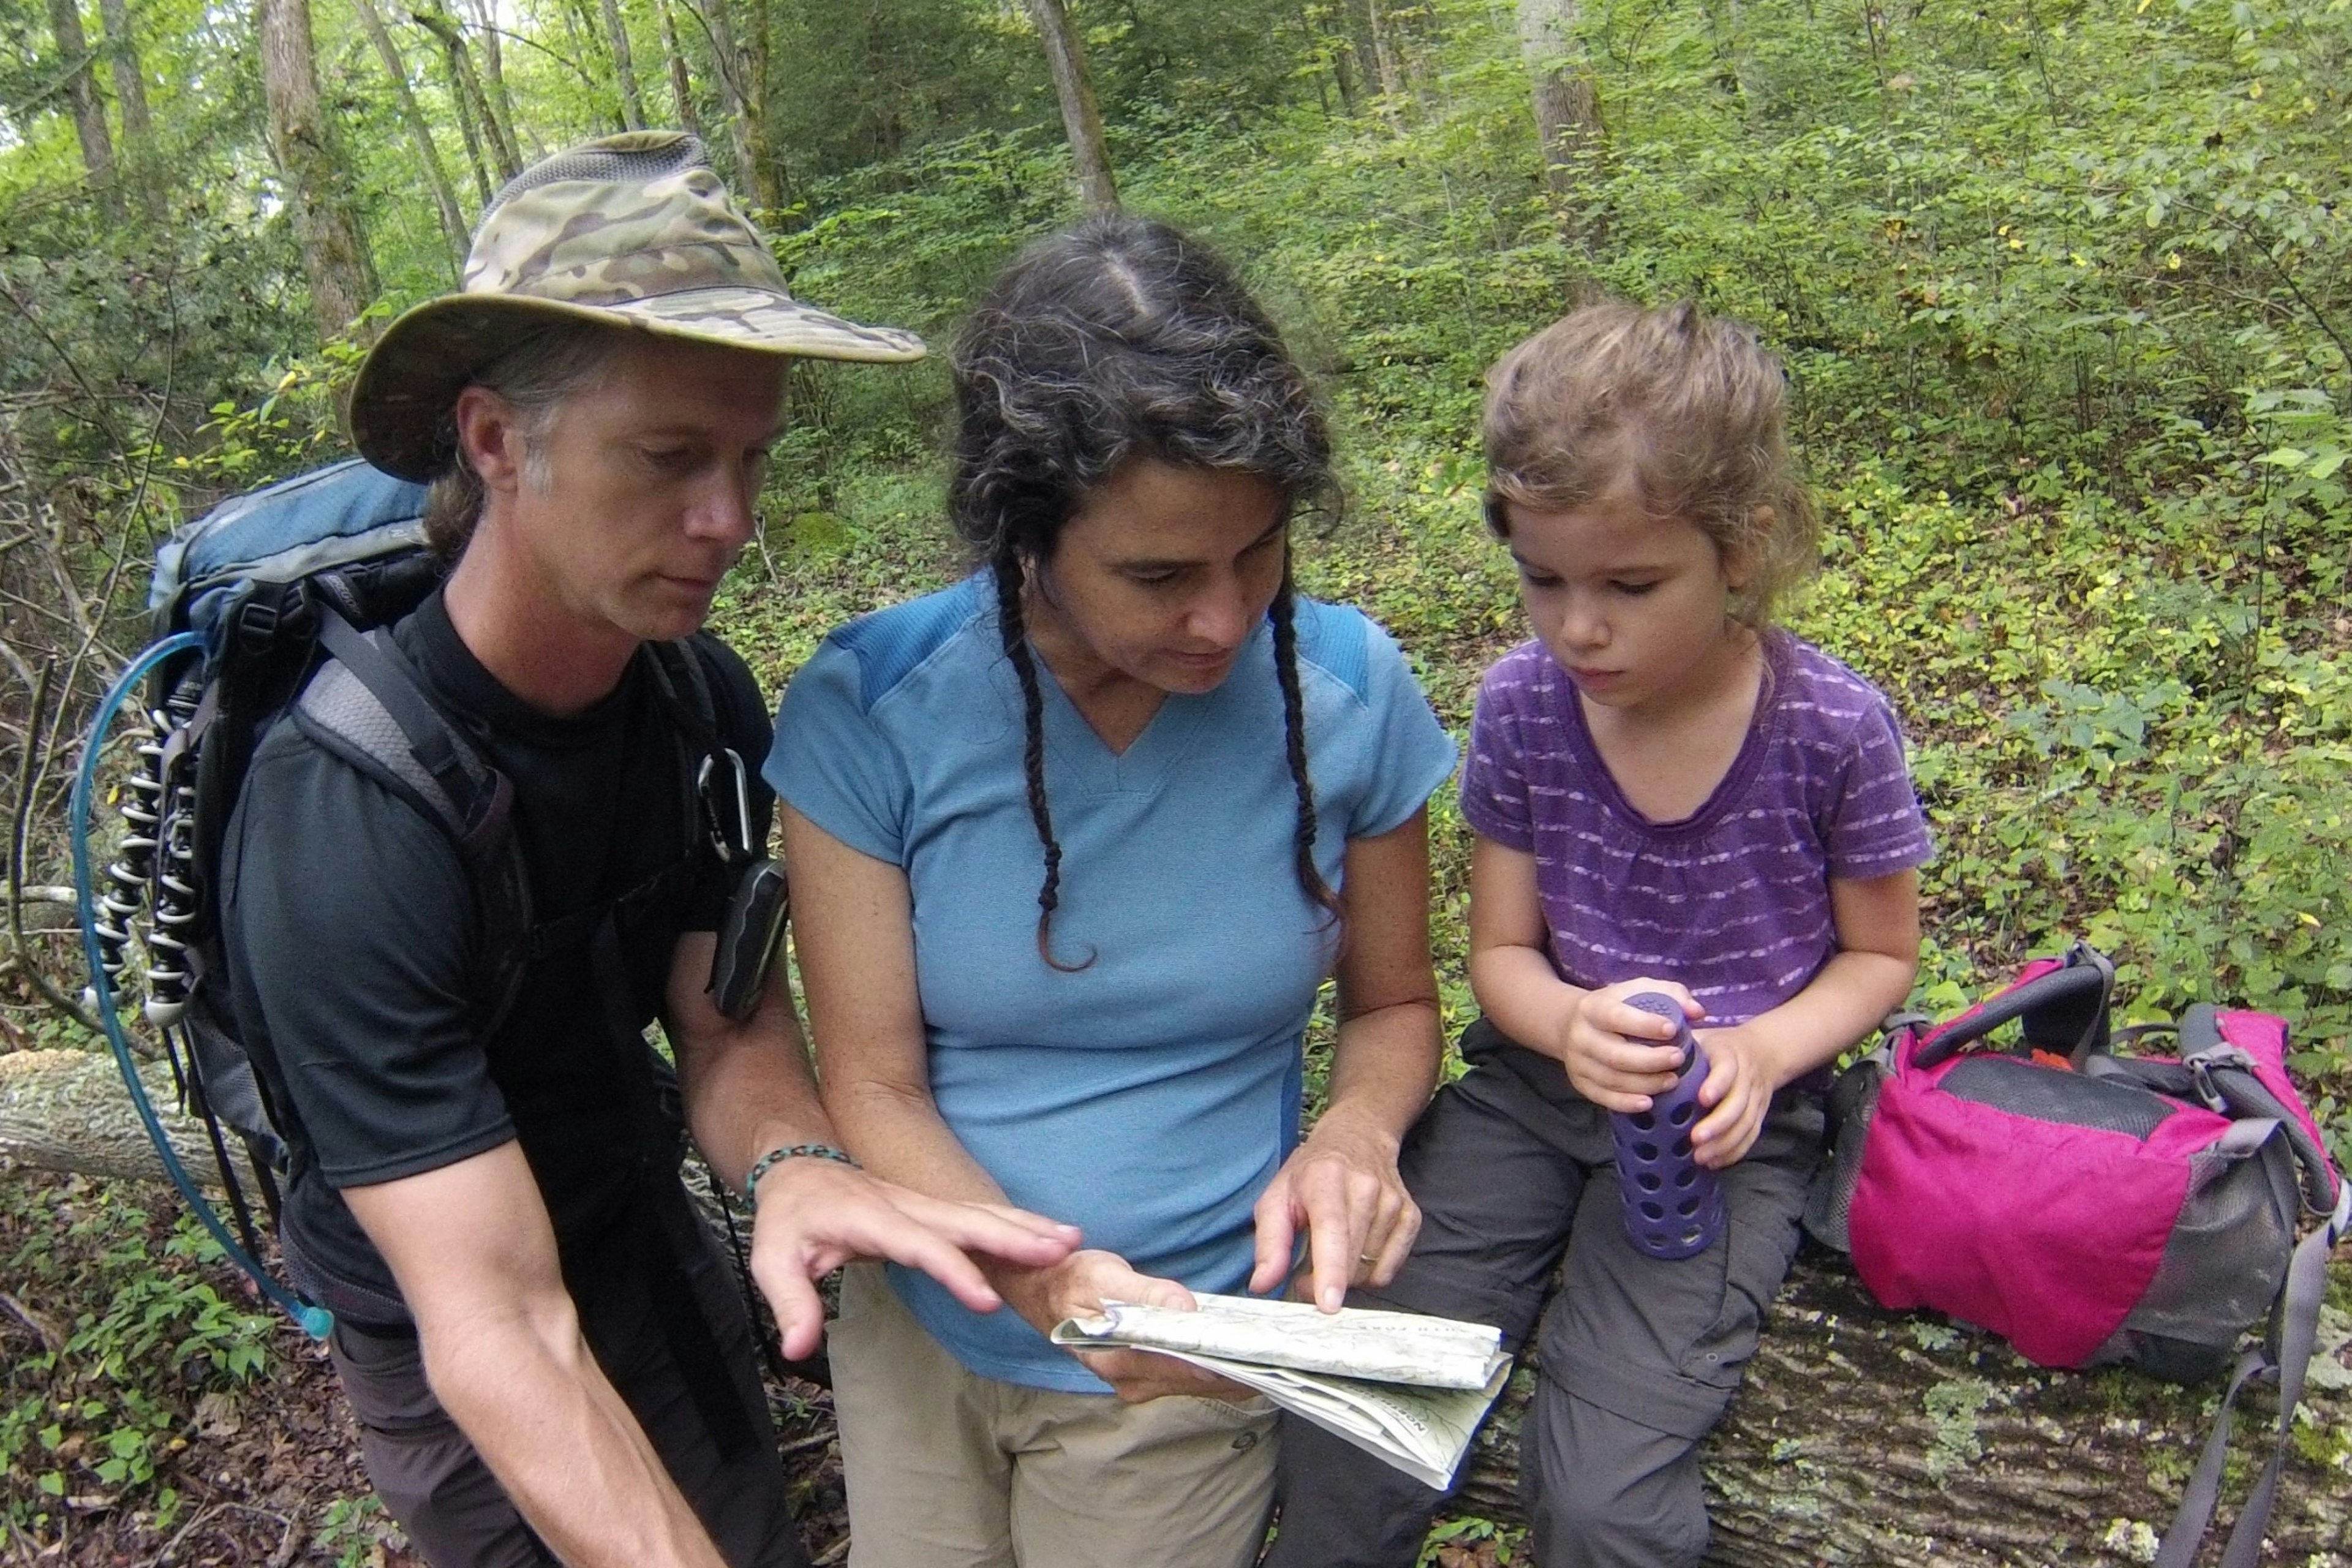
[(1470, 1531), (354, 1531), (135, 1346)]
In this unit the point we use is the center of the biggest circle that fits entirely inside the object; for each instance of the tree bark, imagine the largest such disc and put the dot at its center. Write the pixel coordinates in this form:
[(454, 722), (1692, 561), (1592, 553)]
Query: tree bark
[(742, 94), (470, 126), (1081, 115), (130, 85), (1892, 1439), (1566, 108), (326, 224), (681, 82), (467, 83), (428, 154), (633, 103), (82, 98), (67, 1111), (1384, 60), (494, 70)]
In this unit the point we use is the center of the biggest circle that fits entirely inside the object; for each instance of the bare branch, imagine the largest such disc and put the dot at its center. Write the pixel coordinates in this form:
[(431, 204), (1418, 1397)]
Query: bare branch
[(19, 954)]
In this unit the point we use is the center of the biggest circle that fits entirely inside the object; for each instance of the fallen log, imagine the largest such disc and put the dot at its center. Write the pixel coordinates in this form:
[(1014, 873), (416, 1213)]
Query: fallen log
[(1862, 1436), (67, 1111), (1867, 1437)]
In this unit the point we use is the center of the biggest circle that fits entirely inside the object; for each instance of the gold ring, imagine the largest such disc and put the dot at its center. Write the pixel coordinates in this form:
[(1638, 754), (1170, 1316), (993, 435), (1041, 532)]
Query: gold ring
[(1368, 1258)]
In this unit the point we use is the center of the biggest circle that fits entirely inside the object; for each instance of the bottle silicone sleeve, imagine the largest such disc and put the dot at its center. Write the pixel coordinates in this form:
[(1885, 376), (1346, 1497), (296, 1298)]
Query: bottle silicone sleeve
[(1674, 1205)]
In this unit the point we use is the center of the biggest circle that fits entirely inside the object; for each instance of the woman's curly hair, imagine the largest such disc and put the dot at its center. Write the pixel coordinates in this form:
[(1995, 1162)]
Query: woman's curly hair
[(1120, 339)]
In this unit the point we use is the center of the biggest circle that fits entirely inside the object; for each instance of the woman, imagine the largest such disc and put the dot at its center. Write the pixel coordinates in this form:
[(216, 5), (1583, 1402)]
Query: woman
[(1074, 845)]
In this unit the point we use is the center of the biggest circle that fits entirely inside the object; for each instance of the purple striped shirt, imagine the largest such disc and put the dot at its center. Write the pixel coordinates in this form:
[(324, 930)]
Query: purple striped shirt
[(1732, 901)]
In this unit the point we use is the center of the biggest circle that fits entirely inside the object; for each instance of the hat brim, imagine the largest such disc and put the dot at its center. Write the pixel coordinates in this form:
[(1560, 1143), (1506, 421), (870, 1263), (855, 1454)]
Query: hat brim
[(425, 358)]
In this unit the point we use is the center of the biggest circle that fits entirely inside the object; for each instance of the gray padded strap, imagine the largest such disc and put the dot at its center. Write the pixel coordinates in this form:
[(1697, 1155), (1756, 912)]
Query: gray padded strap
[(339, 703), (2306, 1287)]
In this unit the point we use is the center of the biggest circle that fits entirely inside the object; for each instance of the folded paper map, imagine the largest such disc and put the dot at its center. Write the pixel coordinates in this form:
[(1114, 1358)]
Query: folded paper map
[(1409, 1389)]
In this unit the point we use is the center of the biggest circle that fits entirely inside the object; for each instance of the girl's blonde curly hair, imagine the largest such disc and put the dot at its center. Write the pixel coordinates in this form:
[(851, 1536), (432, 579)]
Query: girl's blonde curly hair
[(1689, 407)]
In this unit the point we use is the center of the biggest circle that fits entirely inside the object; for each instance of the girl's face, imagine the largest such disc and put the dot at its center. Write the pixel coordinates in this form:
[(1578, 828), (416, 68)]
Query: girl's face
[(1163, 574), (1635, 609)]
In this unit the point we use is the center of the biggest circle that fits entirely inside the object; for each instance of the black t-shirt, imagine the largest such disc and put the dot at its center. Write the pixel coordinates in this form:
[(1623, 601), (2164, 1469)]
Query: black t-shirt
[(353, 940)]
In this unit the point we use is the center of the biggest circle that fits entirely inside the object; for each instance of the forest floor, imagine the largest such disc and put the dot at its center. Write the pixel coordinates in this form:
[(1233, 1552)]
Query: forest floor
[(262, 1471)]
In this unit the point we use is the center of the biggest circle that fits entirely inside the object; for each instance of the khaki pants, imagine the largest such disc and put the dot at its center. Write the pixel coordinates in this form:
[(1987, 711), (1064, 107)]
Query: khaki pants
[(949, 1469)]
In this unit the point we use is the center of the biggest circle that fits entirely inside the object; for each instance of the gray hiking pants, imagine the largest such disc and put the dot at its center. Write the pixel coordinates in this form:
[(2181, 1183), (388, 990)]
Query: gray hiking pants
[(1512, 1168), (454, 1510)]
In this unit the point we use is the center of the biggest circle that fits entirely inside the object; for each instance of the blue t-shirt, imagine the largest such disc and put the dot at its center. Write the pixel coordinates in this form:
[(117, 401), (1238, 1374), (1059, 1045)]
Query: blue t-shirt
[(1149, 1097)]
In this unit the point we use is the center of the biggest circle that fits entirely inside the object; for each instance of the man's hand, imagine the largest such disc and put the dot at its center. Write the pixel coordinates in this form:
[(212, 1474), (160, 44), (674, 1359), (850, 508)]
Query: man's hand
[(1079, 1285), (1616, 1055), (814, 1215), (1342, 1188)]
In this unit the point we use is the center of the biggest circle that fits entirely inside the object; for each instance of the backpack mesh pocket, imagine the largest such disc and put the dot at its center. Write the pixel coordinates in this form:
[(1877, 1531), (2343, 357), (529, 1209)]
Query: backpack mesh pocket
[(2048, 1094), (2222, 1266)]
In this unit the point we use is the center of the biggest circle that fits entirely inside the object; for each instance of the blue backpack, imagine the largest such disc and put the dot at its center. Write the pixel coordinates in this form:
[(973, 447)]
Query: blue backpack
[(281, 597)]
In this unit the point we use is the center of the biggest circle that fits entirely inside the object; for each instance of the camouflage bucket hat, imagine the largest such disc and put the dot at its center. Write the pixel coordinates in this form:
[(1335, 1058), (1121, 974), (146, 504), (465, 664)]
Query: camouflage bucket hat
[(633, 230)]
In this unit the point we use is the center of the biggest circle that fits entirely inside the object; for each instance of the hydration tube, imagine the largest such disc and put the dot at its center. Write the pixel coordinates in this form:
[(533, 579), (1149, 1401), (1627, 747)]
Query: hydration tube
[(314, 1321)]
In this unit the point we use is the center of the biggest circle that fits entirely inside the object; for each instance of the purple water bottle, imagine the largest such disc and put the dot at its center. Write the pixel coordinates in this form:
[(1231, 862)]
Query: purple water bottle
[(1674, 1207)]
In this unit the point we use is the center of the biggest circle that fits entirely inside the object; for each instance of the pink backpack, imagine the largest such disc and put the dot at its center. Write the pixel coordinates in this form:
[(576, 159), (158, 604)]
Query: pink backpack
[(2093, 1209)]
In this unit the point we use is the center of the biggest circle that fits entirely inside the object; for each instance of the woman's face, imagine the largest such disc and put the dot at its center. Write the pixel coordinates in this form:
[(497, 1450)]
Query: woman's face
[(1165, 573)]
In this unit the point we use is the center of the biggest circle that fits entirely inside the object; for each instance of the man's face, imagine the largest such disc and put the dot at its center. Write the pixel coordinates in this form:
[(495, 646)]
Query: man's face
[(638, 498)]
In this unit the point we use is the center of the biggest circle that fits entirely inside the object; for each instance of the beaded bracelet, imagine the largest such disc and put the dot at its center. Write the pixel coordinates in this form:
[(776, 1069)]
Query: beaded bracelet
[(774, 1157)]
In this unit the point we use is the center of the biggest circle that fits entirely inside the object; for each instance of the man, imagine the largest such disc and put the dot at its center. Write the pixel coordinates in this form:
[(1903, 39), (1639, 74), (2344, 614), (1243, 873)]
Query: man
[(540, 1339)]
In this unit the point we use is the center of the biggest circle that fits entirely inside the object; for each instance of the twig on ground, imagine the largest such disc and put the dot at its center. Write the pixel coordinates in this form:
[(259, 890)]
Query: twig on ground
[(53, 1339), (171, 1548), (813, 1440)]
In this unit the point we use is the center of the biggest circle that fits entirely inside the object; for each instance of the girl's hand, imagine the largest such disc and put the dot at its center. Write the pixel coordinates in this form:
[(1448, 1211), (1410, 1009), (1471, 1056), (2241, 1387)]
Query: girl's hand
[(1342, 1185), (1740, 1082), (1078, 1287), (1618, 1056)]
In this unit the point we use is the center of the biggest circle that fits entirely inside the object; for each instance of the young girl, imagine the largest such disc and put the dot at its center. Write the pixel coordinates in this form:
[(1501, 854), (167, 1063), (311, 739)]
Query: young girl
[(1669, 794)]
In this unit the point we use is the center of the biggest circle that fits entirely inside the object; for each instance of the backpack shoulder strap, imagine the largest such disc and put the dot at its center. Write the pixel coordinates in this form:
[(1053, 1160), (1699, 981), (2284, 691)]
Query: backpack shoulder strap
[(721, 785), (682, 677), (366, 705), (2297, 1339)]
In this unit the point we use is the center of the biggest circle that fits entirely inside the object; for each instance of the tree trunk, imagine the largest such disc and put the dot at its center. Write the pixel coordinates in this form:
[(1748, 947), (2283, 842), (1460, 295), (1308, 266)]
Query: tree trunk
[(81, 96), (470, 127), (1567, 110), (130, 86), (67, 1111), (445, 195), (326, 225), (1081, 116), (681, 83), (494, 70), (633, 104), (1384, 58), (467, 84), (1891, 1439), (742, 96)]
